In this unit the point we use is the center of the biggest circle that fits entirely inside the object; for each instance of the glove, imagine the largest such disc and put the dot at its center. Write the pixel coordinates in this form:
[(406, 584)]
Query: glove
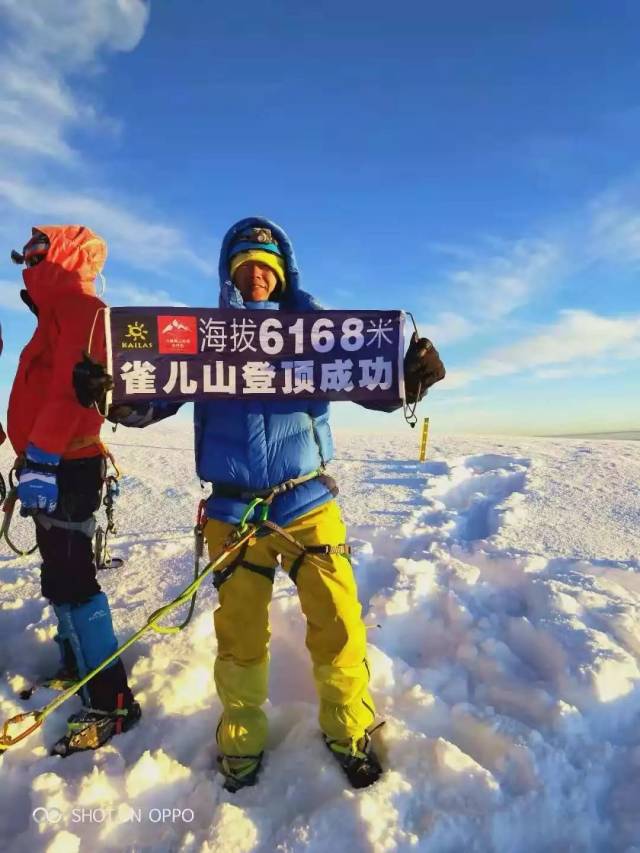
[(120, 414), (37, 486), (91, 382), (422, 368)]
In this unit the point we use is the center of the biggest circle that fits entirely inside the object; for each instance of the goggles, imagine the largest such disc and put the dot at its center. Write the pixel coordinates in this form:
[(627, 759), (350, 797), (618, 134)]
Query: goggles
[(34, 251)]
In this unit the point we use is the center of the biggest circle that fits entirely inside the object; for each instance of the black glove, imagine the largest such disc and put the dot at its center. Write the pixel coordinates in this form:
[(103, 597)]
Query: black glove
[(422, 368), (91, 382)]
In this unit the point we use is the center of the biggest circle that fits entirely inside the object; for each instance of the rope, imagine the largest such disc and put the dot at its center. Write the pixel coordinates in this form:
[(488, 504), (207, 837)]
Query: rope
[(236, 540), (239, 536)]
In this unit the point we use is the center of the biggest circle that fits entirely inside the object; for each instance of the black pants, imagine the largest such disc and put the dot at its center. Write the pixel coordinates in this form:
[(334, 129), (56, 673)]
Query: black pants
[(68, 570)]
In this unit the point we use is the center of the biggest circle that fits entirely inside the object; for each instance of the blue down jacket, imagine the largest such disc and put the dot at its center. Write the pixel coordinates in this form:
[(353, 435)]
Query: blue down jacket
[(257, 444)]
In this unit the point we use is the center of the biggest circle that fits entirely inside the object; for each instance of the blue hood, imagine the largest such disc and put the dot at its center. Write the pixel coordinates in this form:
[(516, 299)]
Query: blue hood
[(294, 299)]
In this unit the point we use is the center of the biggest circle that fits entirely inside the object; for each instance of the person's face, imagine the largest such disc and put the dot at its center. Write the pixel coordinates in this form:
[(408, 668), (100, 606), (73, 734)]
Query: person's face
[(255, 281)]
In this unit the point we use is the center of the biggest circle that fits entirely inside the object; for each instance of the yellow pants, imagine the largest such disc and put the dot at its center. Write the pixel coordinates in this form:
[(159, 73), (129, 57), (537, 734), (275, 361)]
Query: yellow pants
[(336, 636)]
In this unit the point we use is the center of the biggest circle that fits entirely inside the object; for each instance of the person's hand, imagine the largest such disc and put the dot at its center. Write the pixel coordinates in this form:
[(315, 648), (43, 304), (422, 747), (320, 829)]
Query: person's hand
[(119, 414), (422, 368), (91, 382), (37, 484)]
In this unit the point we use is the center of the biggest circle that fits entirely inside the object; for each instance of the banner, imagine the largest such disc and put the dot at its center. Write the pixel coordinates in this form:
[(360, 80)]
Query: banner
[(182, 354)]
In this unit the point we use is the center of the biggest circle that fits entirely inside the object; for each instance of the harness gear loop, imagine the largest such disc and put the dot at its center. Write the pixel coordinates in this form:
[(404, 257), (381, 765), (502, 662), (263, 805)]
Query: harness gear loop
[(8, 508), (198, 542), (104, 560)]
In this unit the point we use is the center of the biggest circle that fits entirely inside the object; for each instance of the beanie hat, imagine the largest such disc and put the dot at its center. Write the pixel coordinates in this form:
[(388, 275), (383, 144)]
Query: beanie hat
[(257, 244), (274, 262)]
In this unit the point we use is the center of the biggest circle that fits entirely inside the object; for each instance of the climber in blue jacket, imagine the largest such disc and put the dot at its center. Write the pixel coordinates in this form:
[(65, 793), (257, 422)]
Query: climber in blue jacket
[(248, 448)]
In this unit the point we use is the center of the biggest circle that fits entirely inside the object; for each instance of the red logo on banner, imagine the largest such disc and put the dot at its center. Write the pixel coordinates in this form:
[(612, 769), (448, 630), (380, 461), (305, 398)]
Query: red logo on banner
[(177, 334)]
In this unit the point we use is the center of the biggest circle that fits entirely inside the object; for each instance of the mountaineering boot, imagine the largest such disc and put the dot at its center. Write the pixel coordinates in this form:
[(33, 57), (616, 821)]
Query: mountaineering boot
[(91, 728), (358, 760), (61, 680), (239, 771)]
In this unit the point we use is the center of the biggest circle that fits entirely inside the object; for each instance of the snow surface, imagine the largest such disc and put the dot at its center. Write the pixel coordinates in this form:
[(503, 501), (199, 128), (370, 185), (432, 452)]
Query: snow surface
[(501, 584)]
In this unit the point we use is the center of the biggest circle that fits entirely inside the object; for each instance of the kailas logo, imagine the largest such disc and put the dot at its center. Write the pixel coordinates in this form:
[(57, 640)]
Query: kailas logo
[(177, 335), (137, 337)]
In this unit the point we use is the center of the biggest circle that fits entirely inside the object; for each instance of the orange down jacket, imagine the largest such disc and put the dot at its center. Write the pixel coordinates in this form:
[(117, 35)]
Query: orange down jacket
[(43, 409)]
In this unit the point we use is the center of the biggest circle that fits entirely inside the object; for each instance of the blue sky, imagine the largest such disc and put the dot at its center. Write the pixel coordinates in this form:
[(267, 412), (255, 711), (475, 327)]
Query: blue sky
[(476, 164)]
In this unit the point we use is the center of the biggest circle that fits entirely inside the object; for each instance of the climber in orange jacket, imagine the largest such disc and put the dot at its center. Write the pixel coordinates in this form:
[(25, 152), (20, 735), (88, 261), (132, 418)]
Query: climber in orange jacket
[(62, 468)]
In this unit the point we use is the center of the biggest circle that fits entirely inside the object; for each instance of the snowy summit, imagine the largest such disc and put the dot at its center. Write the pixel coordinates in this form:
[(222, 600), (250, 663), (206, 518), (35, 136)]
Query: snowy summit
[(500, 587)]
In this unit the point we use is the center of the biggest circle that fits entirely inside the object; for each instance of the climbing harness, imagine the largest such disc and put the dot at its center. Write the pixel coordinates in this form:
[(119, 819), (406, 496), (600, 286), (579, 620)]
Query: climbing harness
[(89, 527), (239, 537), (223, 490), (343, 549)]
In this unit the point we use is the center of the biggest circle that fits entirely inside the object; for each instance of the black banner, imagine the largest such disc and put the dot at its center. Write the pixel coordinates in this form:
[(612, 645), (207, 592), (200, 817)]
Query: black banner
[(182, 354)]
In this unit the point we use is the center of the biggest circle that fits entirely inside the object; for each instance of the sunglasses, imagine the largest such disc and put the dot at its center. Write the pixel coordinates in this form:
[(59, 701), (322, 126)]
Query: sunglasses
[(34, 252)]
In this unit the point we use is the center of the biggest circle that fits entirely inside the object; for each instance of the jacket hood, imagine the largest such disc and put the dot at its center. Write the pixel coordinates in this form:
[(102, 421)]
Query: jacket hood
[(293, 297), (76, 256)]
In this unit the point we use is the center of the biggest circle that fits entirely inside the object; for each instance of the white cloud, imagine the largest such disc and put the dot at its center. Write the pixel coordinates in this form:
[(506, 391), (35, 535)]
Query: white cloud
[(575, 371), (574, 342), (446, 328), (489, 286), (497, 285), (74, 33), (126, 293), (42, 98), (144, 244), (615, 229), (457, 400), (45, 72), (578, 334), (47, 40)]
